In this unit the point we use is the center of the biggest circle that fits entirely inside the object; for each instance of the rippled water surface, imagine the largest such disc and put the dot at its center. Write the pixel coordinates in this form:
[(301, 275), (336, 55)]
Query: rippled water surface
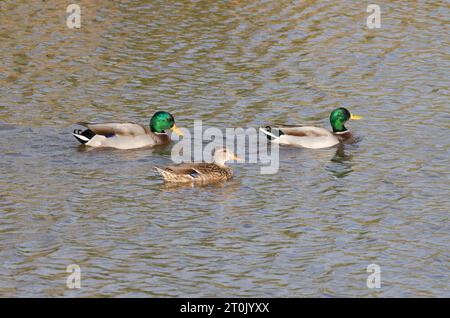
[(309, 230)]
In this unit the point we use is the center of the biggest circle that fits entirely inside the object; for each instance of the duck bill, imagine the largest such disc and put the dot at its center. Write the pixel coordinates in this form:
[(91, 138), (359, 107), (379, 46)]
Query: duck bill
[(355, 117), (237, 158), (177, 130)]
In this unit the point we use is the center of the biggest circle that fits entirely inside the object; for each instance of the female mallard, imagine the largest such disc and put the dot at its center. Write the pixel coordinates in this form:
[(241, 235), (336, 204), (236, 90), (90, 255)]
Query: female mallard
[(201, 172), (128, 135), (314, 137)]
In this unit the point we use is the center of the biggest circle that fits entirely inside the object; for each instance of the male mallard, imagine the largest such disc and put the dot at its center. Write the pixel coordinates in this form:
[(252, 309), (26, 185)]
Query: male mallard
[(314, 137), (201, 172), (128, 135)]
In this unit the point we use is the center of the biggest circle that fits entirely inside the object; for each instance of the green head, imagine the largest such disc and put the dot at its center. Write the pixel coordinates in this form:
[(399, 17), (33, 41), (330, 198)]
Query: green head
[(161, 121), (339, 117)]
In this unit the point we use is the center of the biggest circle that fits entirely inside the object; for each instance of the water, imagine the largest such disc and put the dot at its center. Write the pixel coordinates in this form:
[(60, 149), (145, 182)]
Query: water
[(309, 230)]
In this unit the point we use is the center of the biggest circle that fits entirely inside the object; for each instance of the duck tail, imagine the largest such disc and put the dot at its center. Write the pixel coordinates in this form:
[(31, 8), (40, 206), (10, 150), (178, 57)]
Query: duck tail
[(83, 136), (268, 132), (164, 173)]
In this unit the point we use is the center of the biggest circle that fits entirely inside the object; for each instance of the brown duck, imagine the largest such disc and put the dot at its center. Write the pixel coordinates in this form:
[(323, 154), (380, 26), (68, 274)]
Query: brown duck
[(201, 172)]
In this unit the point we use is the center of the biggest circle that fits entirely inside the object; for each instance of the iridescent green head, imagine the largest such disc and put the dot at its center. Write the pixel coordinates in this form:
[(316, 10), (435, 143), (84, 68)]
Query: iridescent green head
[(339, 117), (161, 121)]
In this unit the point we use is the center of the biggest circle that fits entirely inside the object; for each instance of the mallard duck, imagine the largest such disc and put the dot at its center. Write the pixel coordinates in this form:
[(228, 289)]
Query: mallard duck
[(201, 172), (314, 137), (128, 135)]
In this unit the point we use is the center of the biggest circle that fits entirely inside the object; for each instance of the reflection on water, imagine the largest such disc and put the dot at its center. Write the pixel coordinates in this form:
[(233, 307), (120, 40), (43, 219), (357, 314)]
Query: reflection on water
[(309, 230), (341, 163)]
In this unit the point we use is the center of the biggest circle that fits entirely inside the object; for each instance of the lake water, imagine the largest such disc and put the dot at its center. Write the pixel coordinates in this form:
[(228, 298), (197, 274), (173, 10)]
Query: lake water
[(309, 230)]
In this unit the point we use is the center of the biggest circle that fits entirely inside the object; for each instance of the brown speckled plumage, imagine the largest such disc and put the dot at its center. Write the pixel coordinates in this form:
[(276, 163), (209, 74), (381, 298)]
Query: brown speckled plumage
[(196, 172), (200, 172)]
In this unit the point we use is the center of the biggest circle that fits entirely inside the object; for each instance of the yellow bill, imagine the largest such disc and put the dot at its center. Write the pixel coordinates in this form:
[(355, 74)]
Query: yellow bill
[(176, 130), (355, 117)]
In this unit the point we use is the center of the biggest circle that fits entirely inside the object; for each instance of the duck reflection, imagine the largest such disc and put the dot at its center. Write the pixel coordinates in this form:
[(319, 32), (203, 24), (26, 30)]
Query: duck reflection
[(340, 164), (230, 186)]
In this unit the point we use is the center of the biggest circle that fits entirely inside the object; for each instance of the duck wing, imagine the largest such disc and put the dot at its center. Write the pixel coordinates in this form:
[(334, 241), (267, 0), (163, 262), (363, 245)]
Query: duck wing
[(183, 169), (306, 131), (194, 169), (121, 129), (306, 136)]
